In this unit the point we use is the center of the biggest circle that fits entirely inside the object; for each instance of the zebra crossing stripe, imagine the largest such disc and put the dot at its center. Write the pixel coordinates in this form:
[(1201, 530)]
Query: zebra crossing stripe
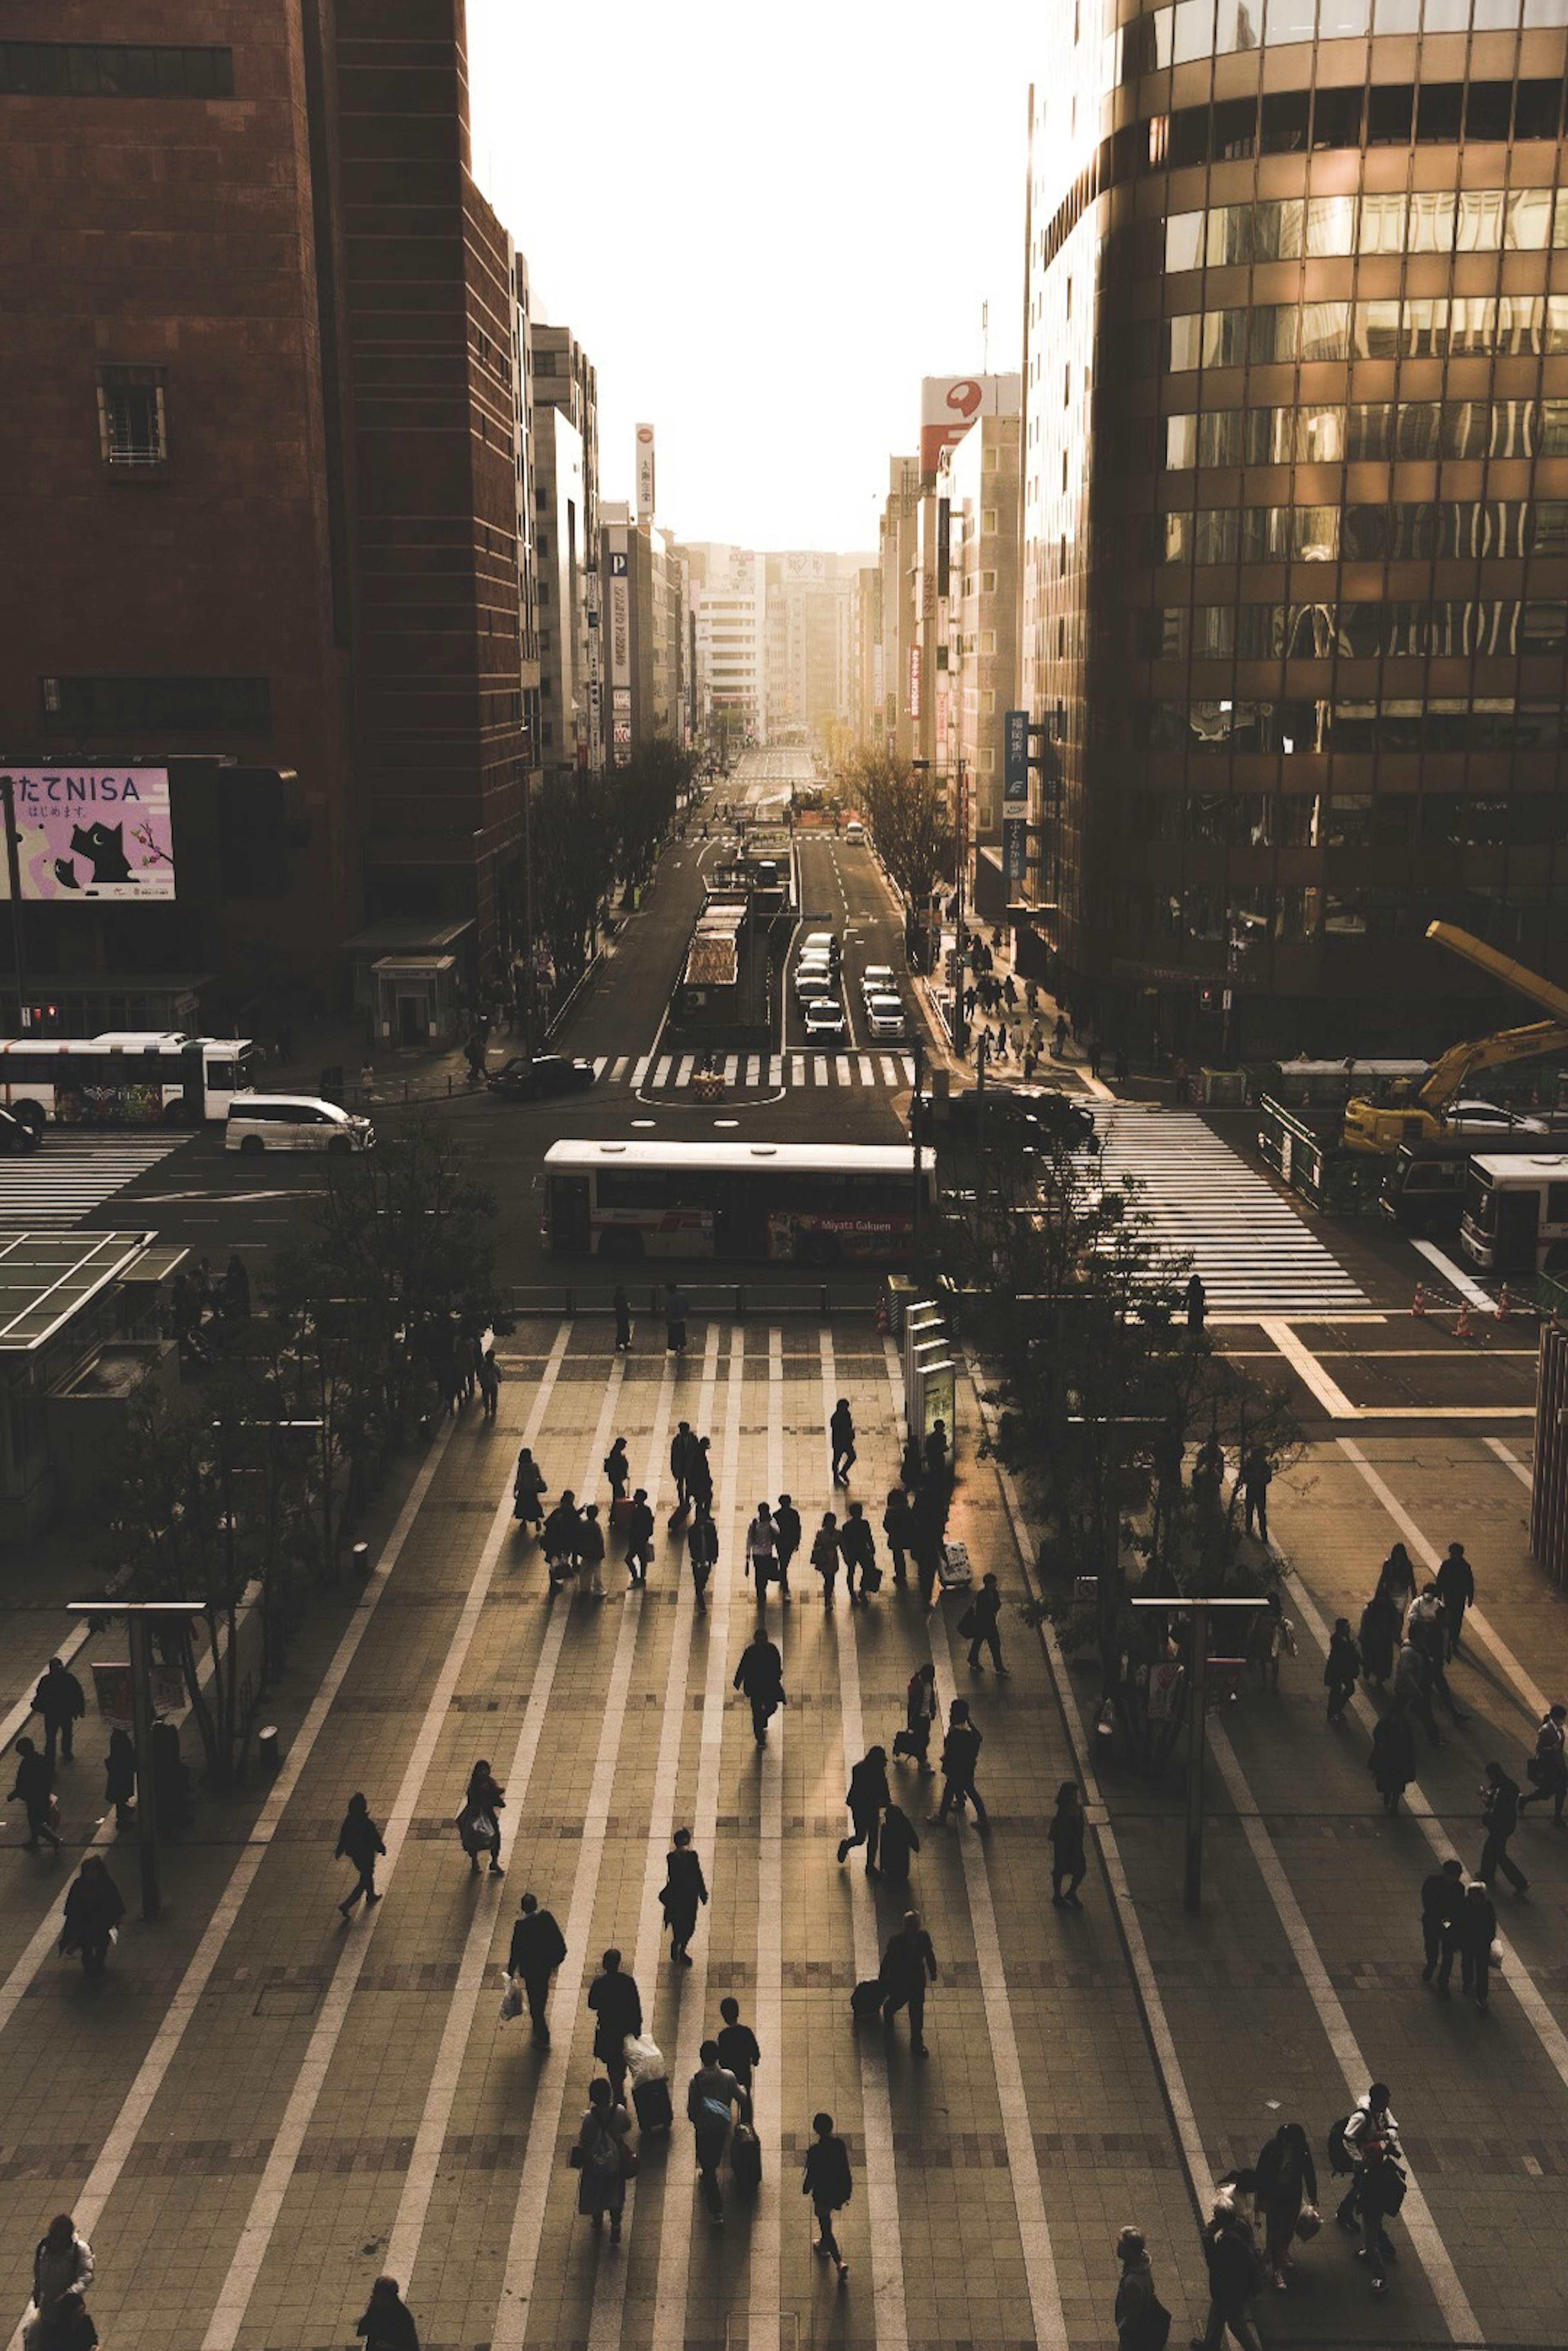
[(640, 1074), (683, 1075), (867, 1074), (796, 1070), (731, 1068), (776, 1069), (818, 1074), (620, 1069), (661, 1071), (63, 1182)]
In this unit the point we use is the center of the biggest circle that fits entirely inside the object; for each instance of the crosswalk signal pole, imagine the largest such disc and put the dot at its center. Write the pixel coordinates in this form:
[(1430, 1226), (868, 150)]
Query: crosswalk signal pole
[(136, 1614)]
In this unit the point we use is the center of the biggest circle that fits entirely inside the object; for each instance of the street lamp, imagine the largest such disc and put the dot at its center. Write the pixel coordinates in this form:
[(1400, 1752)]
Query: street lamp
[(956, 1023)]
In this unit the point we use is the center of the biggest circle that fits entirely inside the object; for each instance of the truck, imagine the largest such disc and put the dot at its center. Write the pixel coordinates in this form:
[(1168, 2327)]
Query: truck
[(1383, 1126)]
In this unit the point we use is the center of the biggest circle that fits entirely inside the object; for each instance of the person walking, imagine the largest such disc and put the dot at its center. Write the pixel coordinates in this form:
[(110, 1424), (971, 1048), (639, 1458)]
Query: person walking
[(558, 1540), (360, 1841), (759, 1677), (1142, 2322), (1426, 1629), (1287, 2180), (714, 2100), (1380, 1622), (1392, 1760), (682, 1446), (981, 1622), (487, 1371), (1548, 1767), (739, 2053), (638, 1537), (618, 1470), (909, 1963), (1413, 1689), (1369, 2125), (928, 1518), (897, 1846), (538, 1947), (621, 1305), (841, 1433), (591, 1550), (786, 1537), (35, 1792), (961, 1754), (120, 1778), (936, 1460), (1442, 1900), (700, 1478), (1396, 1577), (1342, 1669), (919, 1713), (1068, 1823), (1456, 1589), (897, 1531), (824, 1555), (63, 2269), (1382, 2188), (702, 1550), (1477, 1932), (479, 1821), (94, 1908), (1272, 1636), (1196, 1300), (676, 1311), (867, 1797), (1236, 2276), (387, 2324), (527, 1485), (1499, 1808), (830, 2184), (911, 1465), (1257, 1477), (615, 2005), (684, 1891), (59, 1703), (762, 1550), (599, 2156), (857, 1549)]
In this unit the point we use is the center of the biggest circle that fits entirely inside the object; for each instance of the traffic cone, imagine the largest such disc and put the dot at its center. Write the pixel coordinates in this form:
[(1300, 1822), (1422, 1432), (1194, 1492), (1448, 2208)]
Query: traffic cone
[(1462, 1326), (1502, 1304), (1419, 1303)]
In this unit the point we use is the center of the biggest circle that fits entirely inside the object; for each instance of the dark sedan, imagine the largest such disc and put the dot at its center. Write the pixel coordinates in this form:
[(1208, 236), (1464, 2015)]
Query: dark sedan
[(15, 1133), (1037, 1116), (521, 1079)]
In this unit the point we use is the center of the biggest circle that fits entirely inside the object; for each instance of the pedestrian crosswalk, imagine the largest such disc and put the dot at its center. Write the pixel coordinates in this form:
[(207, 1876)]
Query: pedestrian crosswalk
[(72, 1173), (759, 1072), (1255, 1253)]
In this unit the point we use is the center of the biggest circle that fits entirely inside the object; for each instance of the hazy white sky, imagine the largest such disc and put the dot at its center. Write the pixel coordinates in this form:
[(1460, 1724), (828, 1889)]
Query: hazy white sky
[(764, 225)]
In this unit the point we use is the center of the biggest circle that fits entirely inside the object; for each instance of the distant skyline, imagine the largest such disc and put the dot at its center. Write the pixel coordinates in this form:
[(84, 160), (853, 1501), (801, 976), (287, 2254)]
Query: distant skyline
[(764, 232)]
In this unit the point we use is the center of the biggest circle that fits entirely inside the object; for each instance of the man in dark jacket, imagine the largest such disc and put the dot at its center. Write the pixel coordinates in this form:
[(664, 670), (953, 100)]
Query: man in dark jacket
[(1235, 2275), (1499, 1808), (907, 1963), (760, 1676), (684, 1892), (1548, 1764), (786, 1532), (1442, 1897), (638, 1537), (1426, 1629), (94, 1907), (538, 1947), (1457, 1590), (961, 1754), (682, 1455), (897, 1844), (702, 1550), (34, 1790), (983, 1615), (858, 1549), (1477, 1931), (869, 1797), (617, 2004), (59, 1701)]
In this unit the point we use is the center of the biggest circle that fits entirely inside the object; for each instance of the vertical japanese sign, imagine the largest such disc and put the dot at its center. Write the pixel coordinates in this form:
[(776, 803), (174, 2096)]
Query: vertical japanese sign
[(645, 473), (1015, 756)]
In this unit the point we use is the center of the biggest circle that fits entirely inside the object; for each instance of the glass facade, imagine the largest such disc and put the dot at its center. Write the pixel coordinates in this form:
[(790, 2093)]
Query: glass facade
[(1278, 319)]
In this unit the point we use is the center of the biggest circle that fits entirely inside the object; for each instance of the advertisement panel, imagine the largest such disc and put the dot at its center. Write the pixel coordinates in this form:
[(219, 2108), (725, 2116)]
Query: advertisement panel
[(914, 681), (1015, 756), (950, 404), (645, 473), (91, 832), (1015, 848)]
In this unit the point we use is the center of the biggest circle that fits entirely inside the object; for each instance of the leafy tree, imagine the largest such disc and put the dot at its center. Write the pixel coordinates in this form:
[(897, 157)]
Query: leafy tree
[(643, 796), (573, 845)]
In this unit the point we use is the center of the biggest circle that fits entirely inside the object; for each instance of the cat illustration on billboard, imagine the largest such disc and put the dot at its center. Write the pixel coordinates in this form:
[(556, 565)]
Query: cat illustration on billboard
[(92, 834)]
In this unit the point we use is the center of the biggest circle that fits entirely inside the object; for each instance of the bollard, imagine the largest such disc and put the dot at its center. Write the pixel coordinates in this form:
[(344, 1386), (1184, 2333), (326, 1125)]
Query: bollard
[(1462, 1325), (1419, 1303), (267, 1750), (359, 1554), (1503, 1303)]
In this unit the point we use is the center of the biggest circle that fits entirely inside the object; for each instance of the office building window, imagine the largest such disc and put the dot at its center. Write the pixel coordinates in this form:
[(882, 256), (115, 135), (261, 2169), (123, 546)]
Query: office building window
[(91, 69), (149, 707), (132, 419)]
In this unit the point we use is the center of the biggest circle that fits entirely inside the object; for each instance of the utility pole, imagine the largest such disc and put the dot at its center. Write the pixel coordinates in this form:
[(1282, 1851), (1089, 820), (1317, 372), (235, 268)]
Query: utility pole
[(1197, 1726), (137, 1614)]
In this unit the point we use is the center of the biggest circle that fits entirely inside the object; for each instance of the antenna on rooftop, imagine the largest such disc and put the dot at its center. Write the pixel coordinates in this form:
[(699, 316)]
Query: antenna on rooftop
[(985, 337)]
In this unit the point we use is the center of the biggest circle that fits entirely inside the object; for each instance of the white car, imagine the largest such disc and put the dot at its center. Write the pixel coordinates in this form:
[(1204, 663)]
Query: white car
[(824, 1022), (812, 986), (1491, 1118), (885, 1017), (825, 940), (258, 1122), (879, 979)]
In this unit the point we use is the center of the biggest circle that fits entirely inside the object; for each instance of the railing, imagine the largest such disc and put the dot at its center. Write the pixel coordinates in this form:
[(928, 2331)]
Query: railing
[(726, 1301), (1337, 1182)]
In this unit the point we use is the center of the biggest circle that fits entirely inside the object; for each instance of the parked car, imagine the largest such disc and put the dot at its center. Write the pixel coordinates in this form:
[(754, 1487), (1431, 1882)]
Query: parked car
[(886, 1018), (259, 1123), (824, 1023), (16, 1134), (524, 1079)]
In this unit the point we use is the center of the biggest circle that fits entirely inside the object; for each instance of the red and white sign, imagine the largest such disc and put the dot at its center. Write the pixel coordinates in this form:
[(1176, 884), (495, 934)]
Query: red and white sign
[(950, 404)]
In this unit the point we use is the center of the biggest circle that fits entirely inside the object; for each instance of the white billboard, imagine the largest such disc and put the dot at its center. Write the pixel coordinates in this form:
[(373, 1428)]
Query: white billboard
[(645, 473)]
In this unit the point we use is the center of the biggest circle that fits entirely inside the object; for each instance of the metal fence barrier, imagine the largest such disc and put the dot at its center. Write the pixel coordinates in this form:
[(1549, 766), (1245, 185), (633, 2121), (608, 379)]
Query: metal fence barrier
[(730, 1302)]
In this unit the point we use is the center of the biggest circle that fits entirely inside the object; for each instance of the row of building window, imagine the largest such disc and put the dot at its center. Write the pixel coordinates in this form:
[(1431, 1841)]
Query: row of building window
[(1368, 430), (97, 69), (1215, 729), (147, 708), (1386, 114), (1352, 820), (1248, 915), (1435, 529), (1200, 28), (1433, 326), (1424, 220), (1483, 626)]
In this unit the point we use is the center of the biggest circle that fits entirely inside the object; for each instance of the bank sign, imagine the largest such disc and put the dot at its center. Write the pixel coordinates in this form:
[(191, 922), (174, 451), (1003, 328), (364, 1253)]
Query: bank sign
[(90, 833)]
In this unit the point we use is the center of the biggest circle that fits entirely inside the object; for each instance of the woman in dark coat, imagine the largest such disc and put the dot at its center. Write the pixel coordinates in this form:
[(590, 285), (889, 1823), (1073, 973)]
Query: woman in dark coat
[(601, 2176), (1396, 1577), (527, 1485), (94, 1907), (1392, 1762), (1067, 1835), (120, 1778), (479, 1821), (824, 1554), (685, 1888), (897, 1529), (1379, 1638), (1287, 2179), (360, 1841)]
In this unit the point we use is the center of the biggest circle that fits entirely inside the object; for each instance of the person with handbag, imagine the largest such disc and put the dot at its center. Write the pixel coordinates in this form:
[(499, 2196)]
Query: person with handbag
[(558, 1538), (1287, 2186), (63, 2270), (1143, 2322), (602, 2159), (538, 1947), (94, 1908), (616, 2004), (478, 1823), (1548, 1767), (920, 1712), (762, 1550), (685, 1890)]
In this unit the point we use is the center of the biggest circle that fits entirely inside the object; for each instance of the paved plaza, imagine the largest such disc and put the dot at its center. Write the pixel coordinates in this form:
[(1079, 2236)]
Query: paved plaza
[(262, 2108)]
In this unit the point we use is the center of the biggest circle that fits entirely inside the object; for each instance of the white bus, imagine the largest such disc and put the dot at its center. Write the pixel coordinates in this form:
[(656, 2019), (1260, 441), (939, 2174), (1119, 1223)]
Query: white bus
[(794, 1203), (1516, 1214), (125, 1078)]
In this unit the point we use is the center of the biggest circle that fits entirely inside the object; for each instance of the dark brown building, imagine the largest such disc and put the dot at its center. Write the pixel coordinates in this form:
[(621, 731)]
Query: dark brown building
[(264, 494)]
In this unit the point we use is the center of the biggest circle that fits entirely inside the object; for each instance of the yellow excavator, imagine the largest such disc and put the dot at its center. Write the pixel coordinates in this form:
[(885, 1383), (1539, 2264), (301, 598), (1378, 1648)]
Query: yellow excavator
[(1384, 1126)]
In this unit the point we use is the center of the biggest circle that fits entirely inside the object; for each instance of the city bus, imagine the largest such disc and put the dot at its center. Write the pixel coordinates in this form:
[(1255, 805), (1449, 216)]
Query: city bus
[(126, 1078), (792, 1203), (1516, 1214), (1423, 1190)]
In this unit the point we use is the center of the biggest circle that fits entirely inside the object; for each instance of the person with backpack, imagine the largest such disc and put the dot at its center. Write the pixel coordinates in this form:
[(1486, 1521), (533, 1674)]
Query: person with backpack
[(1143, 2322), (1477, 1931), (759, 1677), (713, 2098), (1548, 1767), (1236, 2276), (638, 1537), (1426, 1629), (1286, 2185), (617, 1470), (1381, 2193), (830, 2183), (702, 1550), (600, 2155), (857, 1549), (867, 1798), (786, 1537), (1368, 2135), (762, 1552), (1342, 1669), (898, 1530), (919, 1713)]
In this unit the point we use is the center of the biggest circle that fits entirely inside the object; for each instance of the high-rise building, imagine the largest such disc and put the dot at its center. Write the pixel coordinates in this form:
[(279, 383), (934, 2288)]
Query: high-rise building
[(978, 484), (901, 698), (810, 643), (1296, 600), (645, 624), (268, 512), (729, 587), (566, 549)]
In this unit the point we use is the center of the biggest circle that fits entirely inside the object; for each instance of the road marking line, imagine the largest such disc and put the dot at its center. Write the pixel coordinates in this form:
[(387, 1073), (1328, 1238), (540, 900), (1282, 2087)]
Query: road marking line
[(907, 1063), (1512, 1461), (818, 1074), (841, 1071), (671, 2314), (1302, 1361), (732, 1068), (868, 1073), (888, 2294), (776, 1069), (1441, 2275), (796, 1070), (754, 1072), (266, 2205), (640, 1074), (620, 1069), (1530, 1691), (1455, 1276), (683, 1075), (601, 1062), (890, 1070)]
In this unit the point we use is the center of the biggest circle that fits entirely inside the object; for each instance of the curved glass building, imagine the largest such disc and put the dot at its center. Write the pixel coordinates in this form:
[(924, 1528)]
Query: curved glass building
[(1295, 594)]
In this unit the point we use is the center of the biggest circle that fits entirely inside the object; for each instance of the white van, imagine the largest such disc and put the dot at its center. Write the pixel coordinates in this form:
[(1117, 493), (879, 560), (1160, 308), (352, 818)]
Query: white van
[(884, 1018), (293, 1122), (855, 833)]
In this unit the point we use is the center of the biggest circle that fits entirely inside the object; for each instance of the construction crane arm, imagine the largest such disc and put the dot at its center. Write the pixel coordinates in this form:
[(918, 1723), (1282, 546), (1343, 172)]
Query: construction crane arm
[(1524, 982), (1461, 1063)]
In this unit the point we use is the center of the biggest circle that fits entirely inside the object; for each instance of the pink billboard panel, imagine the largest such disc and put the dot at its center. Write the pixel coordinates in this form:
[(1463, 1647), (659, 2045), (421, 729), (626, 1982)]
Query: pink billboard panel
[(91, 833)]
